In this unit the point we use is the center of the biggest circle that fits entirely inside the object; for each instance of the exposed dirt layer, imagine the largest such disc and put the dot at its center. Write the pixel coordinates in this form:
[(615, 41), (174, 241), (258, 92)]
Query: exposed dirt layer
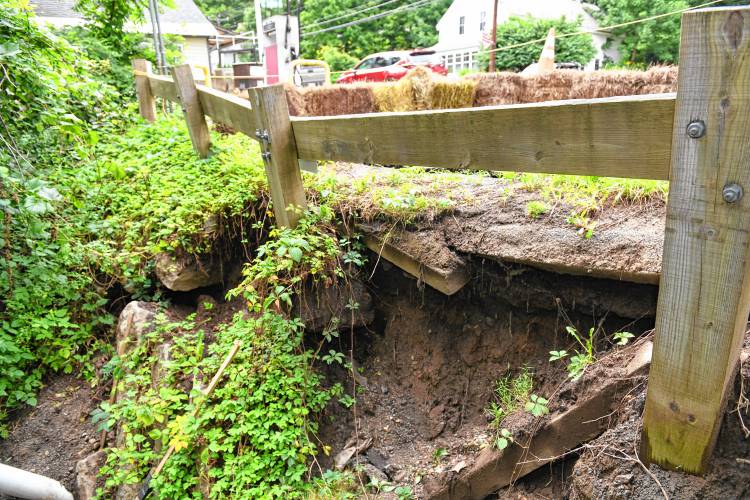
[(52, 437), (608, 467), (489, 219), (429, 367)]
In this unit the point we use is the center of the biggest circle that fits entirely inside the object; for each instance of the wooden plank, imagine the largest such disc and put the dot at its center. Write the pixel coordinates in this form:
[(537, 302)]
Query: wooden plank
[(587, 419), (704, 297), (146, 103), (447, 281), (280, 154), (228, 109), (616, 137), (192, 109), (163, 86)]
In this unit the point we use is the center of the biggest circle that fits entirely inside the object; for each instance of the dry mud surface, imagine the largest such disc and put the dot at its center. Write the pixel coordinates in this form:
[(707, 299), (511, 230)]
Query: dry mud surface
[(489, 220)]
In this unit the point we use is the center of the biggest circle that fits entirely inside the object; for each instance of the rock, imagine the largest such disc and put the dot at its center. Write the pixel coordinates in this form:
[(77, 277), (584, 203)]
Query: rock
[(183, 274), (624, 479), (135, 320), (351, 449), (86, 472), (319, 305), (435, 422), (374, 475), (376, 458)]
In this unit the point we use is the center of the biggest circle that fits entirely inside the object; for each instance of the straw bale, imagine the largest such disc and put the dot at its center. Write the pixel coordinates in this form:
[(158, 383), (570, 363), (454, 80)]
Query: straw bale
[(422, 89), (498, 88)]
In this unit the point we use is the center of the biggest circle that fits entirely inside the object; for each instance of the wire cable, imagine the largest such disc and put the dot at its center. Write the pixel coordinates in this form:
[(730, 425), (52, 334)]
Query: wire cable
[(404, 8), (605, 28), (349, 13)]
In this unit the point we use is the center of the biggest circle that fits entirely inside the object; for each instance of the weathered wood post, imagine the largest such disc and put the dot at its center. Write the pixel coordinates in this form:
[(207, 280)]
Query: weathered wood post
[(279, 151), (146, 103), (704, 297), (192, 109)]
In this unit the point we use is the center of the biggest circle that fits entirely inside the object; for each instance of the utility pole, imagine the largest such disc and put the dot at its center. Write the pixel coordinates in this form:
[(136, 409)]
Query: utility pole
[(259, 32), (493, 60)]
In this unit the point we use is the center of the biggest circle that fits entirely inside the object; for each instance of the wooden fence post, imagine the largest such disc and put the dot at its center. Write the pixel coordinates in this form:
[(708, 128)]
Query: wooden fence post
[(279, 154), (146, 103), (704, 297), (192, 109)]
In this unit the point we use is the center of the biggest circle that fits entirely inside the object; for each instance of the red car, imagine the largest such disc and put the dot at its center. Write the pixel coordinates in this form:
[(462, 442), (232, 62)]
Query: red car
[(391, 66)]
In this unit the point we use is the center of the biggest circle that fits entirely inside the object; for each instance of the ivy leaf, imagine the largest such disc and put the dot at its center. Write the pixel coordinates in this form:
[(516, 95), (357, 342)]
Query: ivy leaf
[(296, 254), (35, 205)]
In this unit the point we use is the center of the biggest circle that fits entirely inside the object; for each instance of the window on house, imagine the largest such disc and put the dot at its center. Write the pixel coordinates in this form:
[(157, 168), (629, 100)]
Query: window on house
[(461, 25), (482, 21)]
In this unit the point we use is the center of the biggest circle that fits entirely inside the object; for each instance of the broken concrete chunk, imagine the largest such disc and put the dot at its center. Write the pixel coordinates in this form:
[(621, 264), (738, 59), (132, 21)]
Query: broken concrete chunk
[(86, 472), (135, 320), (183, 274)]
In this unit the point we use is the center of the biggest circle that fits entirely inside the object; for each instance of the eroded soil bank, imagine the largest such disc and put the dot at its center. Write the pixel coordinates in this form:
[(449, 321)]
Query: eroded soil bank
[(426, 368)]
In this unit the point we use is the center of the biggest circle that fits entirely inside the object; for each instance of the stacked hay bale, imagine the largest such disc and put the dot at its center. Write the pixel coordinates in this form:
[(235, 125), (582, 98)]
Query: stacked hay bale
[(422, 89), (512, 88), (330, 100)]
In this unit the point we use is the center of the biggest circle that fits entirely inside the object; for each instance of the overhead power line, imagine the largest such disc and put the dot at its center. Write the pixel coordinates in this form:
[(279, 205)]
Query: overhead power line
[(398, 10), (605, 28), (349, 13)]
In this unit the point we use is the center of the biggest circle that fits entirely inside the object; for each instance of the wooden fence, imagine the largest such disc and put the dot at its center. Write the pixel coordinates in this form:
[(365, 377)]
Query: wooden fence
[(698, 139)]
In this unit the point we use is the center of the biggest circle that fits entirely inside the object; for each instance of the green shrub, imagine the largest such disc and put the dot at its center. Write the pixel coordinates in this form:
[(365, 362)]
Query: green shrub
[(52, 111), (336, 58), (519, 30)]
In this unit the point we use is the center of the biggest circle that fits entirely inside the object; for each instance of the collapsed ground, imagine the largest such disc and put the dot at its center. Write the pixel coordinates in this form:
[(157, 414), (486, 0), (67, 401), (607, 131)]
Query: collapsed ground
[(130, 269), (410, 376)]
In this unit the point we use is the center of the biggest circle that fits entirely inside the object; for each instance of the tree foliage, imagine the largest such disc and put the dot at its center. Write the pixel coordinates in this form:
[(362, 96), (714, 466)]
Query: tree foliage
[(107, 18), (518, 30), (656, 41), (649, 42), (404, 30), (336, 58)]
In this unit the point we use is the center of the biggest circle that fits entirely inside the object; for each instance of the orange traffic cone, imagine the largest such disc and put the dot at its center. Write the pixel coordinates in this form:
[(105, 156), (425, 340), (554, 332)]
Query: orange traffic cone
[(547, 59)]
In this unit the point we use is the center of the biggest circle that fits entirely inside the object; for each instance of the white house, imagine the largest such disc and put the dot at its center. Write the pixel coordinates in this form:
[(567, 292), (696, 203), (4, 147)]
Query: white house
[(461, 29), (185, 20)]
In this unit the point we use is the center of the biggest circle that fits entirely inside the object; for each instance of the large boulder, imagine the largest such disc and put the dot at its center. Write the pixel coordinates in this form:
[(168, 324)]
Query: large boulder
[(135, 320), (186, 273), (86, 474)]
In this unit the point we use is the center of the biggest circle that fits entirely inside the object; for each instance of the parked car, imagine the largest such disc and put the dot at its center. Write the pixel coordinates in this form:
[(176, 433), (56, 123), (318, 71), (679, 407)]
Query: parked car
[(391, 66)]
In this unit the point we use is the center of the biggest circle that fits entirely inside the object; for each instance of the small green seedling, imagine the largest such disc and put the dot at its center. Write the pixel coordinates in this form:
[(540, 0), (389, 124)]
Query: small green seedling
[(537, 406), (438, 455), (536, 209), (557, 355), (504, 439), (582, 358), (622, 338)]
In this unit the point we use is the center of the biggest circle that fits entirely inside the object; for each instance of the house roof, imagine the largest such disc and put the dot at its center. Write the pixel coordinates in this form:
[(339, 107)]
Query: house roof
[(184, 19)]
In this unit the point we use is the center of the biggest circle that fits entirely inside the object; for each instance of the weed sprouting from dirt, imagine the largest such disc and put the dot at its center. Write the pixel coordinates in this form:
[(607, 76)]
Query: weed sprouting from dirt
[(510, 394), (536, 209), (584, 356), (537, 405)]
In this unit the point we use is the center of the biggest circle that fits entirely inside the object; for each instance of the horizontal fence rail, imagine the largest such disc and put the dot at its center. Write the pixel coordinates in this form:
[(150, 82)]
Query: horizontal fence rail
[(696, 138), (613, 137)]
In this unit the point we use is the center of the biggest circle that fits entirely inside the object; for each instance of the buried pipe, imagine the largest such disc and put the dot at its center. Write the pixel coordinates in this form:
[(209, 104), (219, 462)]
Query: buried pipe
[(24, 484)]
